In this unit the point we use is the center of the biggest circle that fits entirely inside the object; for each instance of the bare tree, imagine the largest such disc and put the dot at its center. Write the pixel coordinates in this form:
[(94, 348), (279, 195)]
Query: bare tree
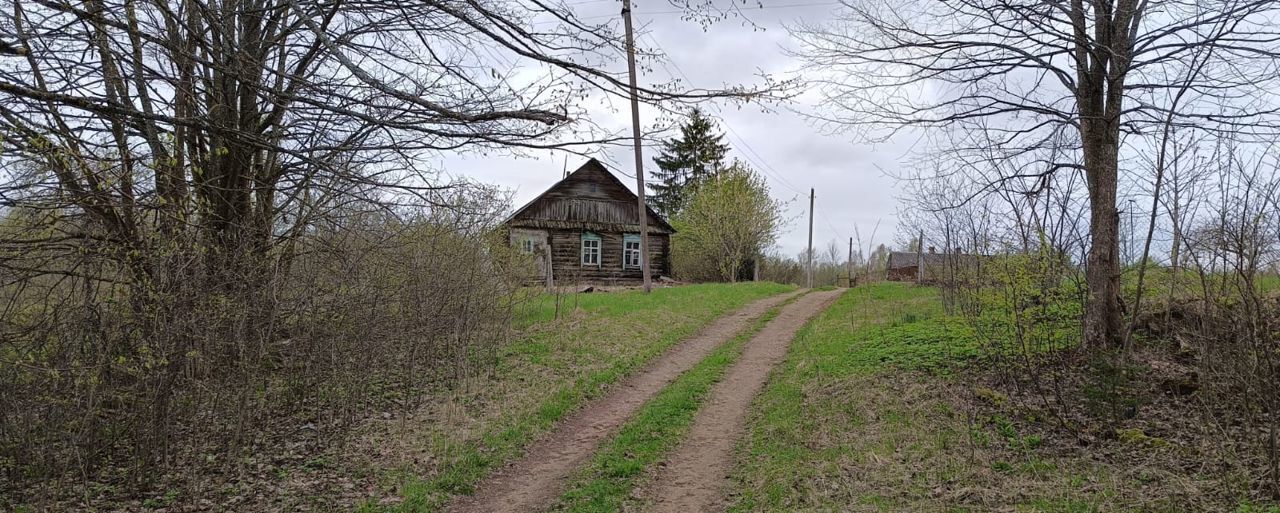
[(1034, 73)]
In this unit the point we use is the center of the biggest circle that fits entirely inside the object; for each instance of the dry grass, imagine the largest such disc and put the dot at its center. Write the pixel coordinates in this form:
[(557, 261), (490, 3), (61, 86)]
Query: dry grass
[(912, 442)]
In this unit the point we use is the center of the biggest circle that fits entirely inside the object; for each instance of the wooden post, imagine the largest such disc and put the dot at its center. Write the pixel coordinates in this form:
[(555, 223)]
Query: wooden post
[(755, 272), (643, 212), (809, 278)]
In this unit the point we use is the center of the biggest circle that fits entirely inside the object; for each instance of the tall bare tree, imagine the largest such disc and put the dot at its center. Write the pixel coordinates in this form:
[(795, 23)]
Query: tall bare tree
[(1035, 72)]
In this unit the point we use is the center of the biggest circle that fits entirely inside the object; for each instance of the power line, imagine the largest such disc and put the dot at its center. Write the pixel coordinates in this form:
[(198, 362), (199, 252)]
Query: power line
[(758, 160), (830, 225)]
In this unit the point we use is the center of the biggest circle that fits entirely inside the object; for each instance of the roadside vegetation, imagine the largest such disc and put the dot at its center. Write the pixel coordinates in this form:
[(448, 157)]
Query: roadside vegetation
[(810, 426), (412, 447), (889, 403), (1111, 249), (111, 400)]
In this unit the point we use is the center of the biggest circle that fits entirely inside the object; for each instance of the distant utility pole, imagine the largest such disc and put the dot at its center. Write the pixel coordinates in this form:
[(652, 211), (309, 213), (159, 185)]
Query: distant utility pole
[(809, 278), (849, 264), (642, 211), (1131, 247), (920, 260)]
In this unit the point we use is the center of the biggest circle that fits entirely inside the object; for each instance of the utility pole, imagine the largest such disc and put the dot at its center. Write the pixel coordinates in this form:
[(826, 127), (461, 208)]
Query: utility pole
[(849, 264), (809, 278), (1132, 245), (641, 210), (920, 260)]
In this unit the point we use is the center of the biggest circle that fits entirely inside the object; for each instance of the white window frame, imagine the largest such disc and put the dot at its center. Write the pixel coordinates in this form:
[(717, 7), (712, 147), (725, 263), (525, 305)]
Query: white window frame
[(629, 252), (590, 255)]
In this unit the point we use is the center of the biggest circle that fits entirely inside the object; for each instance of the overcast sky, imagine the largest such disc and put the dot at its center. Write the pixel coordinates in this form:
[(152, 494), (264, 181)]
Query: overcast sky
[(851, 179)]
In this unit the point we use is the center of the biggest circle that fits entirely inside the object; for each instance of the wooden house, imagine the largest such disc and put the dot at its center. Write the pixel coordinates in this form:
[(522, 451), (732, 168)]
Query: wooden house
[(585, 226), (938, 267)]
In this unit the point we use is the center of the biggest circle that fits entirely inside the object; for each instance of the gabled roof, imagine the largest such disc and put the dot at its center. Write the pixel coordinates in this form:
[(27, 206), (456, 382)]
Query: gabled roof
[(903, 259), (591, 198)]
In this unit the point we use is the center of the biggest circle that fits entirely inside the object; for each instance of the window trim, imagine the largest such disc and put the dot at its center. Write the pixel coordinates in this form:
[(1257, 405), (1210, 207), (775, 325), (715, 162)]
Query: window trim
[(595, 251), (629, 238)]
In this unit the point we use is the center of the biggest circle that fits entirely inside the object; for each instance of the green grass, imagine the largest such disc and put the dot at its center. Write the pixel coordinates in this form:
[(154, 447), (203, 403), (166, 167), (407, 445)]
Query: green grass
[(539, 307), (874, 410), (868, 331), (556, 367), (885, 325), (859, 417), (607, 482)]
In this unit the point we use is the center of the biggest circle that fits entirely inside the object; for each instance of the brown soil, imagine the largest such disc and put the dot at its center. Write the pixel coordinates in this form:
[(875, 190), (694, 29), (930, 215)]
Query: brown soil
[(696, 475), (533, 482)]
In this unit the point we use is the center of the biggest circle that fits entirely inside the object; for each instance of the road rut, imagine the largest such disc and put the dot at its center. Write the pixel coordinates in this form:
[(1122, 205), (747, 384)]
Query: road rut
[(535, 481), (695, 476)]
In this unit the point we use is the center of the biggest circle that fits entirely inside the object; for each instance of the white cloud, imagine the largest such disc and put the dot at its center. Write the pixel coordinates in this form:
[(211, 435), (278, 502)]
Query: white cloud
[(849, 178)]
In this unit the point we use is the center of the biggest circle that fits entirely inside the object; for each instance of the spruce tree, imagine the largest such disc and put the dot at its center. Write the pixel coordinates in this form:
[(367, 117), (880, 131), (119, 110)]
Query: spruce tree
[(696, 154)]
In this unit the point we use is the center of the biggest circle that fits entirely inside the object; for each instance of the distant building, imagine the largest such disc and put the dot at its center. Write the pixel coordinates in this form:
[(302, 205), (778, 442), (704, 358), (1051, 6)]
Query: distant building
[(938, 267), (587, 225)]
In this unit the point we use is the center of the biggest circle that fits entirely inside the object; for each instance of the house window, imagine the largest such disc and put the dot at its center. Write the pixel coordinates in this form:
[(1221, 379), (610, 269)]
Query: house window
[(527, 246), (590, 249), (631, 251)]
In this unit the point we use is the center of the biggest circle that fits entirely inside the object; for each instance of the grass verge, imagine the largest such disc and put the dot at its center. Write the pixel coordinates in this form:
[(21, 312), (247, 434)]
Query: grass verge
[(808, 428), (606, 484), (878, 407), (554, 367)]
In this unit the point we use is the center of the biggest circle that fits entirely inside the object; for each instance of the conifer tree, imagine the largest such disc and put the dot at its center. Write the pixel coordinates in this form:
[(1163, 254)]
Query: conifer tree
[(696, 154)]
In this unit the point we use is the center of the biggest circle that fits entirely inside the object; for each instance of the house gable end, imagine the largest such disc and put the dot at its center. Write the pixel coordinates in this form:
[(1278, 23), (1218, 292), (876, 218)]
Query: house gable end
[(590, 198)]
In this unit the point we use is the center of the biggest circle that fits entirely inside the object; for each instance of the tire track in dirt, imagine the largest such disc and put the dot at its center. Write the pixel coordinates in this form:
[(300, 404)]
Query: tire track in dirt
[(535, 481), (695, 476)]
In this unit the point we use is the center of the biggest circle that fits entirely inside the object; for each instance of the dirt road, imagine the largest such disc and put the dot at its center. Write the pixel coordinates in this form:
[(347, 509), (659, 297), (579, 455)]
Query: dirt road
[(533, 482), (695, 477)]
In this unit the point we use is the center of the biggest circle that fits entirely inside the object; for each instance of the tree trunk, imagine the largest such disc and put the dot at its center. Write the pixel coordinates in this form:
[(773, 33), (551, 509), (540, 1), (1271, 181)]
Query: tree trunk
[(1102, 323)]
